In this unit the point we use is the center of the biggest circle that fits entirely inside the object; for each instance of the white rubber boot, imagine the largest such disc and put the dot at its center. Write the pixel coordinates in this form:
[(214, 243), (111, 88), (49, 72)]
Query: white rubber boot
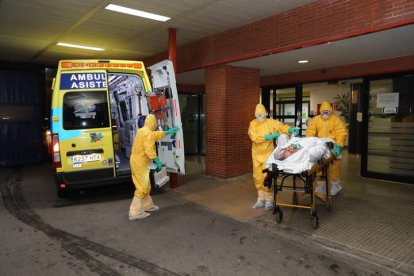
[(149, 204), (136, 210), (335, 187), (153, 208), (140, 216), (260, 203), (321, 187), (269, 205)]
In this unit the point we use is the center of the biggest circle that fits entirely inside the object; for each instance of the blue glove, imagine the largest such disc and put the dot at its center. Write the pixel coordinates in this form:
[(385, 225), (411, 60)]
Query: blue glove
[(268, 137), (293, 130), (171, 131), (337, 150), (157, 162)]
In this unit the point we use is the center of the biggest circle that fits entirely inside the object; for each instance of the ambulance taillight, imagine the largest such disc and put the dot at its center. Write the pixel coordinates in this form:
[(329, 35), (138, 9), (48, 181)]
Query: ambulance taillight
[(56, 151)]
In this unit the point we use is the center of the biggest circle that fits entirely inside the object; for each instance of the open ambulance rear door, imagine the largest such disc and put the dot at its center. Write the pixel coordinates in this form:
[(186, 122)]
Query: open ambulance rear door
[(171, 147)]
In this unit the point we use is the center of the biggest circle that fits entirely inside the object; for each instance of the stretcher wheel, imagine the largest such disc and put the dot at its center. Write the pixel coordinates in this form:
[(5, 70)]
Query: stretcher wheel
[(279, 216), (328, 204), (295, 199), (315, 221)]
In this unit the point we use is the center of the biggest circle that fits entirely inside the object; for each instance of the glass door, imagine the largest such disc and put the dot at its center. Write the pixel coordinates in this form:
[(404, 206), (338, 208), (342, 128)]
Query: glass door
[(193, 120), (390, 138), (290, 106)]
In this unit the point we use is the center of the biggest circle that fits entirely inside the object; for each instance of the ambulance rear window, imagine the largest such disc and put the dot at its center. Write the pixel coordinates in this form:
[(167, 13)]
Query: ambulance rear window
[(85, 110)]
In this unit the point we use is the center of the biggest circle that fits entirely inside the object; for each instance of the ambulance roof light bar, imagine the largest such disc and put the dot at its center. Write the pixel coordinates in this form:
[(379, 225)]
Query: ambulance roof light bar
[(101, 64)]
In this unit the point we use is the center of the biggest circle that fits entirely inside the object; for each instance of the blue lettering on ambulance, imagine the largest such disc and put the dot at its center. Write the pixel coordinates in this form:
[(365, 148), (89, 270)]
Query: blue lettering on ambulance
[(70, 81)]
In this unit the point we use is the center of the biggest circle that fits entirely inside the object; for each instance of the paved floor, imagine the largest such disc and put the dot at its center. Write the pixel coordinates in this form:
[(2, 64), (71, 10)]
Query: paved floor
[(90, 234), (205, 227), (370, 219)]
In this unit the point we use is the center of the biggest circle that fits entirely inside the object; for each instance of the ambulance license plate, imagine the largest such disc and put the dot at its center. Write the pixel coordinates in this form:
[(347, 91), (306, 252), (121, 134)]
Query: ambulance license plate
[(85, 158)]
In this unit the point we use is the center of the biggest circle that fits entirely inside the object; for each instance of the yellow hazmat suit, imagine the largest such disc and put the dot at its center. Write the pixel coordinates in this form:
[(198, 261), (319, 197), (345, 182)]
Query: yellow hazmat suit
[(143, 152), (329, 127), (261, 149)]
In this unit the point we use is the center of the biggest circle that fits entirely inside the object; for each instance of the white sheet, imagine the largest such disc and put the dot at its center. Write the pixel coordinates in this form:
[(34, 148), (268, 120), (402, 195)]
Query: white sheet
[(312, 150)]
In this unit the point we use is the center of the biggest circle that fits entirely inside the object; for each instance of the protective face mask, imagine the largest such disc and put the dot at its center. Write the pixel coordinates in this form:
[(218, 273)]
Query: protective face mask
[(325, 114), (261, 117)]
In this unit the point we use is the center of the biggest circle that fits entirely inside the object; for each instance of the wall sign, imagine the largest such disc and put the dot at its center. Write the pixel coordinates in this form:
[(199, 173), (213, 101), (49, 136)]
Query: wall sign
[(387, 100)]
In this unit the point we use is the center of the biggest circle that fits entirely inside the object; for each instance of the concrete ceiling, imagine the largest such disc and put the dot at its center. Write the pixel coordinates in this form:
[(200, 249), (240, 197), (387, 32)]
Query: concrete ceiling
[(30, 29)]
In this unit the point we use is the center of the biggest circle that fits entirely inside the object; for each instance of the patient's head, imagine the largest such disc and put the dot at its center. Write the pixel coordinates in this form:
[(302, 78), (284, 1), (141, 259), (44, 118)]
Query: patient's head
[(289, 151)]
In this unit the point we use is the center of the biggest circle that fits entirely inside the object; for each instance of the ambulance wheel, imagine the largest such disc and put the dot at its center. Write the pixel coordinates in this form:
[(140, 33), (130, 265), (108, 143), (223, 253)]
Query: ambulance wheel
[(61, 193), (315, 221), (328, 204), (279, 216)]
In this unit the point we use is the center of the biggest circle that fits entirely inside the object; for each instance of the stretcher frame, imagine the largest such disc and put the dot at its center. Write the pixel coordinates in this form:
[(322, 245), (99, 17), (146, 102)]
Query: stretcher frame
[(308, 178)]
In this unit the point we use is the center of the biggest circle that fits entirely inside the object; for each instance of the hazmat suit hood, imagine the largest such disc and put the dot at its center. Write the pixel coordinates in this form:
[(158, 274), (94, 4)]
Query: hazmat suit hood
[(260, 110), (150, 122), (325, 106)]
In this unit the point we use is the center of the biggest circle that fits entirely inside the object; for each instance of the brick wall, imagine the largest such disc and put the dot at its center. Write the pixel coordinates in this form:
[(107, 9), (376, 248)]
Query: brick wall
[(312, 24), (399, 64), (190, 89), (231, 97), (232, 92)]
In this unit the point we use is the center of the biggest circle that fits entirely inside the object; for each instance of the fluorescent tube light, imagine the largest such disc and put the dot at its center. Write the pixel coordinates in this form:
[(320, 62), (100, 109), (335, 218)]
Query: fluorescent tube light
[(303, 61), (80, 46), (139, 13)]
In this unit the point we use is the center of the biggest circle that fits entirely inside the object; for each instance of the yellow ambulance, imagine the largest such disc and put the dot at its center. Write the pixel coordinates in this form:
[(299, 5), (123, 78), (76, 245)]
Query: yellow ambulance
[(98, 107)]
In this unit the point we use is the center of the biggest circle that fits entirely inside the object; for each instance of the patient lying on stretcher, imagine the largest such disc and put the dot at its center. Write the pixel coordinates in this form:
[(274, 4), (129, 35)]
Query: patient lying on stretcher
[(285, 153), (299, 154)]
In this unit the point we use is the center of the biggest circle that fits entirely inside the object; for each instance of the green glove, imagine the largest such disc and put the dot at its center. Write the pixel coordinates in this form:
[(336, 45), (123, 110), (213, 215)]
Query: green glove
[(157, 161), (171, 130), (293, 130), (337, 150), (268, 137)]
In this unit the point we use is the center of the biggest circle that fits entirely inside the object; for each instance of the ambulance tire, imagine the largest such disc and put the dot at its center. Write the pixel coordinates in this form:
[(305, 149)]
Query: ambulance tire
[(61, 193)]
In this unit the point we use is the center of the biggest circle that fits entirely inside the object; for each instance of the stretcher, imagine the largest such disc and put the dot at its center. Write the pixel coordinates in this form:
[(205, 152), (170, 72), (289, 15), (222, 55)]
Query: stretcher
[(309, 180)]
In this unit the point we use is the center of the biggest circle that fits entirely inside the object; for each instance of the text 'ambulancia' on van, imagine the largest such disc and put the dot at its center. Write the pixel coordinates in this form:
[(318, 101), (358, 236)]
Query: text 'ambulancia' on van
[(97, 109)]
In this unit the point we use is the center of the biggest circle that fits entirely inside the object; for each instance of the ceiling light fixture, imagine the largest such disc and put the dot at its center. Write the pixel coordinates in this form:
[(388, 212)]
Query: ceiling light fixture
[(80, 46), (303, 61), (138, 13)]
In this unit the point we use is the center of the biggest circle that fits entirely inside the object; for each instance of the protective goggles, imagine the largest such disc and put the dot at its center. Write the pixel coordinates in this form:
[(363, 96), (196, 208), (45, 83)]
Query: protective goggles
[(261, 116), (325, 112)]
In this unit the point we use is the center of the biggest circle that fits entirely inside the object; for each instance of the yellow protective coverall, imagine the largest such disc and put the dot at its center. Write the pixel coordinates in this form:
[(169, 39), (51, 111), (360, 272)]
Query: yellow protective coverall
[(143, 151), (333, 127), (261, 150)]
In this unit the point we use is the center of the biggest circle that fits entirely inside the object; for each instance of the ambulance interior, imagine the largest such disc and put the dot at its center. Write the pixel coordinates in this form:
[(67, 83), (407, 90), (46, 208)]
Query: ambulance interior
[(126, 92)]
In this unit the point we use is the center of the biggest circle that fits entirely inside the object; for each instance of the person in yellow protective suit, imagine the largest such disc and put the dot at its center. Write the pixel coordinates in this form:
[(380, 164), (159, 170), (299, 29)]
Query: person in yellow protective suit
[(327, 125), (262, 131), (142, 155)]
